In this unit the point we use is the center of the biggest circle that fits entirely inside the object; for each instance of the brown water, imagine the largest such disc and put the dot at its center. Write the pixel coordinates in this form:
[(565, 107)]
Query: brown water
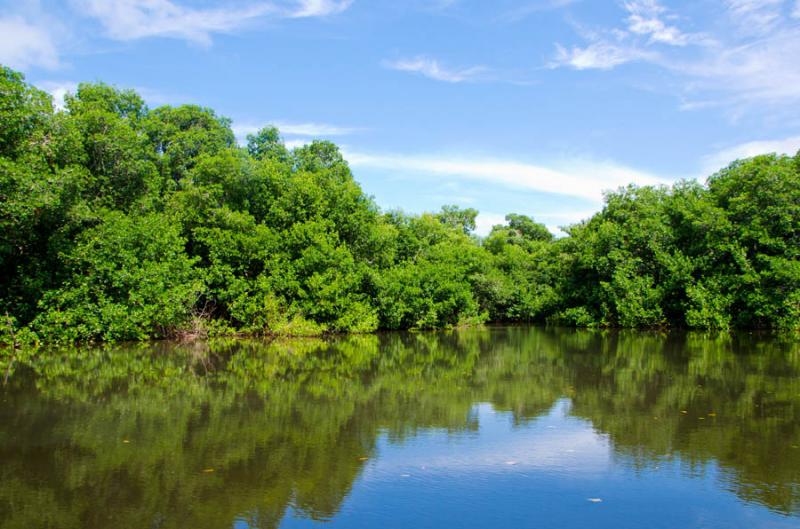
[(495, 427)]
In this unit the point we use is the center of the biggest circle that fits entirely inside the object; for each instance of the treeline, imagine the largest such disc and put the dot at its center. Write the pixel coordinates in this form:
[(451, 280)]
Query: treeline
[(122, 222)]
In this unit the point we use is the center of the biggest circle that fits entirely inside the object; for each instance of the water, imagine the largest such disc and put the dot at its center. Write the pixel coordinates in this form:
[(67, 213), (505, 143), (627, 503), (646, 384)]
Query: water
[(498, 427)]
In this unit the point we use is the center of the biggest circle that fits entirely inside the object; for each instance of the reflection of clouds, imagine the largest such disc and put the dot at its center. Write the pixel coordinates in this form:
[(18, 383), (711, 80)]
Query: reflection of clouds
[(554, 442)]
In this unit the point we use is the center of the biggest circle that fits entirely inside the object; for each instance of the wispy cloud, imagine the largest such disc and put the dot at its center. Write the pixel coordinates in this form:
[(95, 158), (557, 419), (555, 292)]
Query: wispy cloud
[(600, 55), (32, 37), (755, 16), (318, 8), (714, 162), (521, 12), (751, 61), (24, 44), (581, 179), (136, 19), (645, 17), (763, 71), (432, 69), (298, 129), (296, 134), (607, 49)]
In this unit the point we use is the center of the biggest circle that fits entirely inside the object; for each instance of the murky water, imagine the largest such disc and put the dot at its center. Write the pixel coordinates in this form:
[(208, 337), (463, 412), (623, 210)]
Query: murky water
[(497, 427)]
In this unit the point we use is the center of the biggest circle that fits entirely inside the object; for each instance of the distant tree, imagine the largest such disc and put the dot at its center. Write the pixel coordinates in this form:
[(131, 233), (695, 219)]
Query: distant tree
[(462, 219)]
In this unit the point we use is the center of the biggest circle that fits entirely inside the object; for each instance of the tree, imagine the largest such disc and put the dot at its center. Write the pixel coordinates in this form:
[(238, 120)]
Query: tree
[(130, 280)]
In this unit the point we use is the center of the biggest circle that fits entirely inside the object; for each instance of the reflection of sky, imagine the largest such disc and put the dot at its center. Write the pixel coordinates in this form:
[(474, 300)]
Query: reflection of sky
[(554, 442), (549, 472)]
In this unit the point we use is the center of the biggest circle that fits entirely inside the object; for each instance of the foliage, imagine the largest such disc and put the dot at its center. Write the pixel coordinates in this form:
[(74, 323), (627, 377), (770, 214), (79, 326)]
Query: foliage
[(118, 221), (130, 279)]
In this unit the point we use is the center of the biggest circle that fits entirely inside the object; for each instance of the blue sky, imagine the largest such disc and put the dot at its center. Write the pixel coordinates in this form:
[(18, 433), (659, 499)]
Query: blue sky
[(527, 106)]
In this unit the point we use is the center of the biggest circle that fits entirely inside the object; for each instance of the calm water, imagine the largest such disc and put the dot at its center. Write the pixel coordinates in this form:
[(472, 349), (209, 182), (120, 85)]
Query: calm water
[(498, 427)]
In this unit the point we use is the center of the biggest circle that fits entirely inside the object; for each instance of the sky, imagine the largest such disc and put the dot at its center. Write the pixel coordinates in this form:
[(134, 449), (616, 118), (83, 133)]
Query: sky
[(524, 106)]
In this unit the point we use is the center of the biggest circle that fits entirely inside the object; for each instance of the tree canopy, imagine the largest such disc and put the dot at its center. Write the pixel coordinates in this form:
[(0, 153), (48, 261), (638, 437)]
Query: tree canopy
[(118, 222)]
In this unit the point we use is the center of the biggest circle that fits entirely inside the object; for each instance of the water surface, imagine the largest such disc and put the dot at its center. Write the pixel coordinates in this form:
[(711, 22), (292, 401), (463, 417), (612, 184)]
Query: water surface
[(497, 427)]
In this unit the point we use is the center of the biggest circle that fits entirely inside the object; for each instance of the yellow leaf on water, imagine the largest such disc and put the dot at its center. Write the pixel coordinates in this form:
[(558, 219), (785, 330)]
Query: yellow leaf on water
[(684, 412), (363, 458), (125, 441), (208, 470)]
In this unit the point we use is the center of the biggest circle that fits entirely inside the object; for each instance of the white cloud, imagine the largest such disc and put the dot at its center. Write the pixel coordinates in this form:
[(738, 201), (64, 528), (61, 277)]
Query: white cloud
[(484, 222), (766, 70), (645, 19), (23, 45), (611, 48), (755, 16), (749, 60), (136, 19), (599, 55), (317, 8), (58, 89), (432, 69), (296, 129), (718, 160), (581, 179), (314, 129)]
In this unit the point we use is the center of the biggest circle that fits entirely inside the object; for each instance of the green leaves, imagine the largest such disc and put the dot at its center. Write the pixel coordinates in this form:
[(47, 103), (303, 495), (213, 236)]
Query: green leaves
[(122, 222), (130, 280), (24, 112)]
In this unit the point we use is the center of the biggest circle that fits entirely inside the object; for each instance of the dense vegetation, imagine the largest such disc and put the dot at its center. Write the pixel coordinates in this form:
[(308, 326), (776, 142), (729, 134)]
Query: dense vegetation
[(122, 222)]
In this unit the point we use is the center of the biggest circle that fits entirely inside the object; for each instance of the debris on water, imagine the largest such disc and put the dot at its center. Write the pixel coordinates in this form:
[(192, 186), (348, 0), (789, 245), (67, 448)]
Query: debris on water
[(208, 470), (684, 412), (595, 500), (405, 475), (511, 462), (712, 414), (363, 458), (125, 441)]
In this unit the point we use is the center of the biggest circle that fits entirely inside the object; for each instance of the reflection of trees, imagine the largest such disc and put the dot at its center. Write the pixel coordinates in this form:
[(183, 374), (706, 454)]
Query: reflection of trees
[(291, 423)]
